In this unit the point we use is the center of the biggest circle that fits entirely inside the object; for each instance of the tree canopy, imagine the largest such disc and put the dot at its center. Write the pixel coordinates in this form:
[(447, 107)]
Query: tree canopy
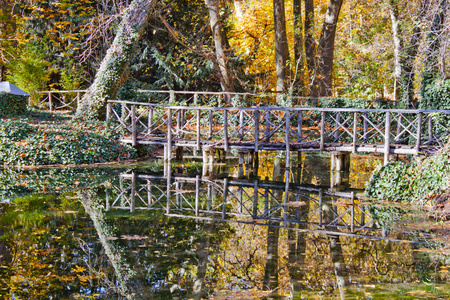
[(376, 49)]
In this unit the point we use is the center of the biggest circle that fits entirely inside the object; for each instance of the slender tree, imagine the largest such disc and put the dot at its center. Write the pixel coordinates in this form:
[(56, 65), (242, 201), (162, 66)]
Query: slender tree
[(326, 47), (397, 42), (310, 48), (298, 81), (281, 46), (222, 66)]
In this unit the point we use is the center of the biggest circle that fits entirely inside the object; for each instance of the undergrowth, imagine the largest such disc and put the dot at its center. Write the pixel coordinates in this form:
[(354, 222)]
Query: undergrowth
[(420, 181), (48, 139)]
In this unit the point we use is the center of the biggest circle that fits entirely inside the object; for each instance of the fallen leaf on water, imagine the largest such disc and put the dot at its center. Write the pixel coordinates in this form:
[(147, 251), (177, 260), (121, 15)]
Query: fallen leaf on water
[(70, 211)]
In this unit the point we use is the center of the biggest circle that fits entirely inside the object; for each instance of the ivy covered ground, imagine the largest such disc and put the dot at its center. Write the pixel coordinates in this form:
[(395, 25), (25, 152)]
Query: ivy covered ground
[(44, 138), (425, 181)]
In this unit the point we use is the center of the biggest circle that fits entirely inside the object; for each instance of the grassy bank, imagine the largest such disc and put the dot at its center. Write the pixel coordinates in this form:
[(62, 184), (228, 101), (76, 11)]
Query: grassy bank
[(423, 181), (44, 138)]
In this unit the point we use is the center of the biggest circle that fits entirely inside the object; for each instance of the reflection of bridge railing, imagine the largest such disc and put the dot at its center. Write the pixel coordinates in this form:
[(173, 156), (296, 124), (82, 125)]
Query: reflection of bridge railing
[(56, 100), (280, 128), (259, 202)]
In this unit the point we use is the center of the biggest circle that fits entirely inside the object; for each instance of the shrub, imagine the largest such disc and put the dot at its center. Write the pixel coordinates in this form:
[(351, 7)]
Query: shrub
[(418, 181), (24, 143), (12, 104)]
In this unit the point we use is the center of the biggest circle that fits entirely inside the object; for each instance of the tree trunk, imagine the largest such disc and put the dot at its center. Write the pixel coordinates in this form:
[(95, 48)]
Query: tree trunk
[(114, 67), (127, 277), (431, 70), (223, 72), (409, 57), (326, 48), (393, 11), (310, 48), (281, 46), (299, 79)]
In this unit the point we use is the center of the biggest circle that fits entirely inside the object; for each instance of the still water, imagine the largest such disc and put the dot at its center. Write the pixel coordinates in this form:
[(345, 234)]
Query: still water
[(190, 231)]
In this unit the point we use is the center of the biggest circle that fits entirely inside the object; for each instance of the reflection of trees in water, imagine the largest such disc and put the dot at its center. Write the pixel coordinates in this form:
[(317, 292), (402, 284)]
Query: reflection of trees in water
[(157, 255)]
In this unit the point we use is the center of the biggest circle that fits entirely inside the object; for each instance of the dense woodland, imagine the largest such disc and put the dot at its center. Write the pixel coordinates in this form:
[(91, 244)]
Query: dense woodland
[(391, 49)]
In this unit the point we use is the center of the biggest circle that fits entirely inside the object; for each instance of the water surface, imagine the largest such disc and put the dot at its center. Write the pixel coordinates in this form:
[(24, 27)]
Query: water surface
[(191, 231)]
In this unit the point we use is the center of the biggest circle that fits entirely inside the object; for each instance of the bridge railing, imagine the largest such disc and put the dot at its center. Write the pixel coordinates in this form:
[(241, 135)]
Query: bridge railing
[(281, 128), (231, 199), (60, 100)]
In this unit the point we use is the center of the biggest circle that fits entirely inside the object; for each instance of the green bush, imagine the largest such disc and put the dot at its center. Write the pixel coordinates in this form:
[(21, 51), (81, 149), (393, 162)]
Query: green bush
[(436, 95), (418, 181), (12, 104), (25, 143)]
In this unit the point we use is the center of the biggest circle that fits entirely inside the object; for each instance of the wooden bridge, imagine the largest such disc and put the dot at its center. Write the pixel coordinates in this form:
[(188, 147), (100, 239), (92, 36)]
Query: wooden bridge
[(387, 131), (259, 202)]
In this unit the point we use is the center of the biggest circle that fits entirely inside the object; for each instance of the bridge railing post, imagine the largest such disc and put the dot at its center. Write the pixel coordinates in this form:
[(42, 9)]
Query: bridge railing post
[(108, 112), (299, 124), (387, 133), (133, 126), (225, 130), (256, 116), (288, 142), (267, 119), (365, 127), (322, 131), (430, 128), (169, 134), (355, 131), (198, 129), (419, 132), (150, 119), (210, 121)]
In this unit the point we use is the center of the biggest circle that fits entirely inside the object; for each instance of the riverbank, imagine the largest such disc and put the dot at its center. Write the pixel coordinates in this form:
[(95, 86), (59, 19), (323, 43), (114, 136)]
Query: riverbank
[(424, 181), (53, 138)]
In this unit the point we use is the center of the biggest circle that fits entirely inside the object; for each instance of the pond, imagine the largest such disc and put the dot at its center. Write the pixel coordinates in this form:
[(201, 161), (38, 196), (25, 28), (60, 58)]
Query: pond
[(193, 231)]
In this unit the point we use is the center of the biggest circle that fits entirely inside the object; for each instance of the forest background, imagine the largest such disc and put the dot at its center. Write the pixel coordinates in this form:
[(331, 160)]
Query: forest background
[(389, 49)]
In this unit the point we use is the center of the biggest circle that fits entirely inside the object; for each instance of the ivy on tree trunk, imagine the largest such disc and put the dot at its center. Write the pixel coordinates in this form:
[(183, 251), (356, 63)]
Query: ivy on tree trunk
[(114, 67)]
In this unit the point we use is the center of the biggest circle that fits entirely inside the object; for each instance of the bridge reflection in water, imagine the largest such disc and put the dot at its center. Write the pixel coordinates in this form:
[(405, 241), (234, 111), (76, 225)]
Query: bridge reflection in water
[(286, 205)]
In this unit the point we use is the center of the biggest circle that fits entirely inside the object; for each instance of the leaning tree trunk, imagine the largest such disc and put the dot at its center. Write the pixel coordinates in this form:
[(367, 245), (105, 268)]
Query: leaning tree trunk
[(114, 67), (326, 47)]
